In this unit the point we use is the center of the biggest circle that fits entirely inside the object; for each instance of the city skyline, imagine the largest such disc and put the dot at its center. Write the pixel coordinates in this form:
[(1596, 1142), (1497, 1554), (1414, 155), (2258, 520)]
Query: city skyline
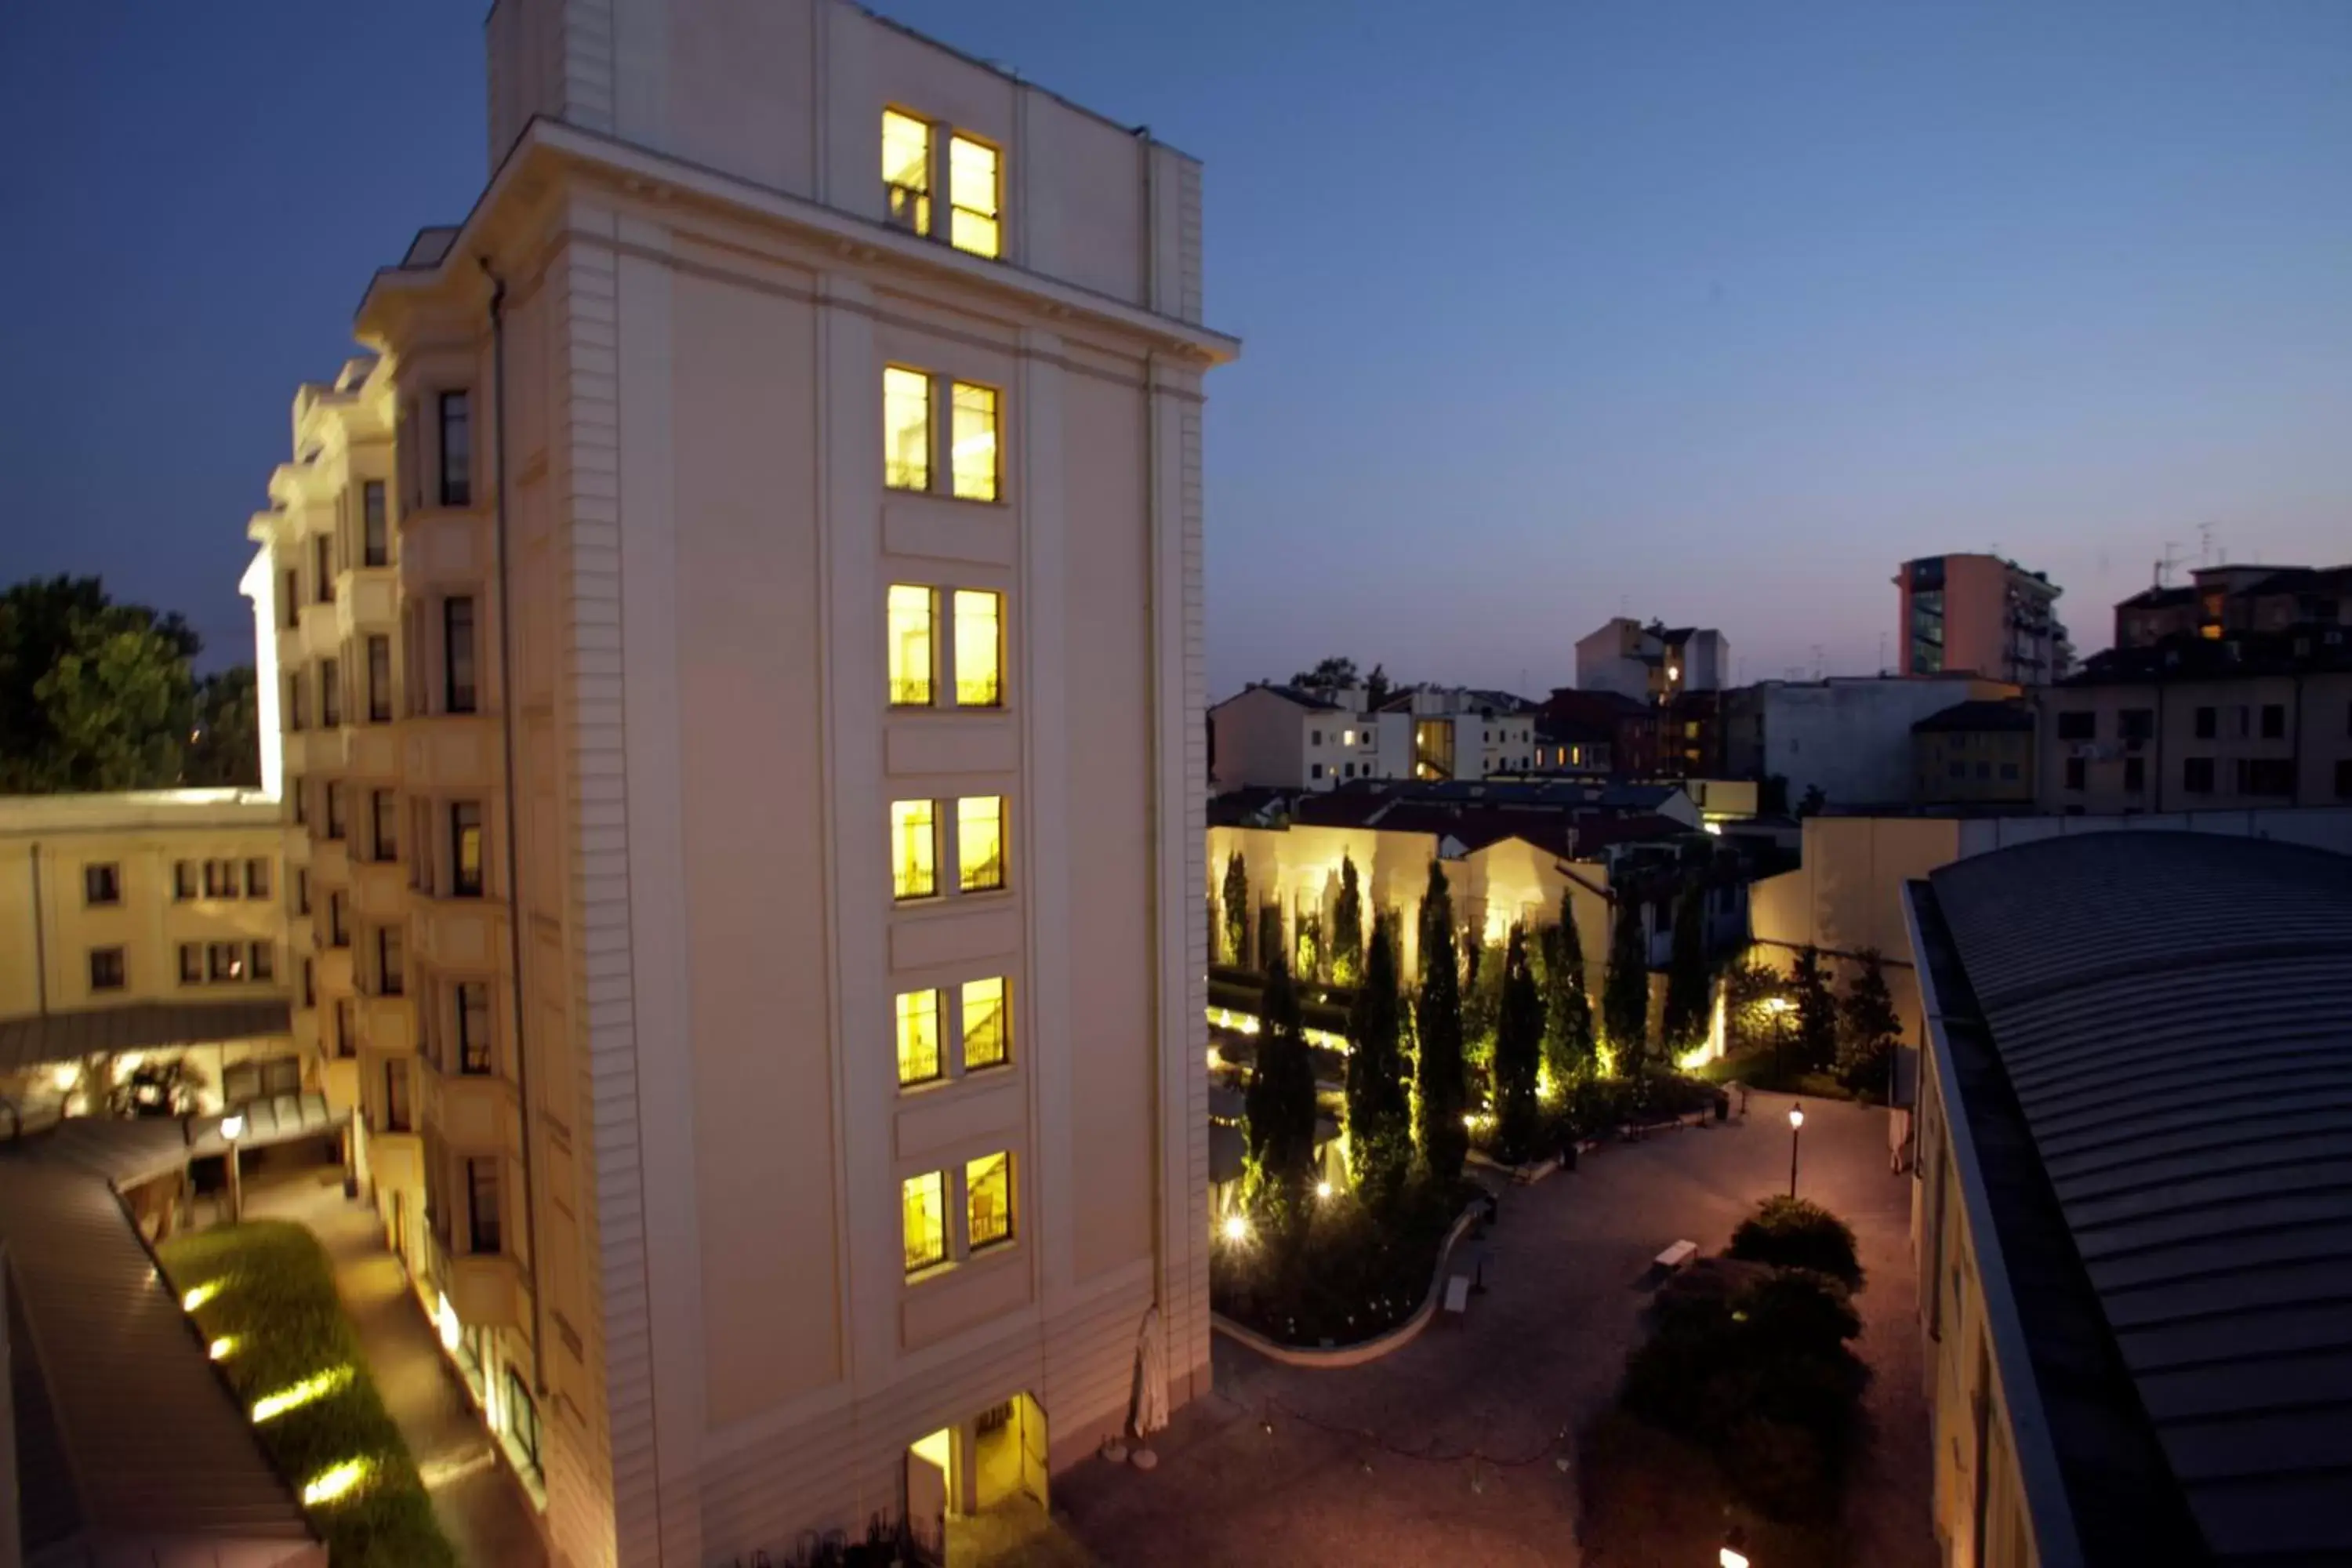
[(1800, 301)]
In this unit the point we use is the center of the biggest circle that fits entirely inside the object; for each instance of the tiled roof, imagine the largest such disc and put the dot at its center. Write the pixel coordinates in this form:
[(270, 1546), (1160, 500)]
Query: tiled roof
[(2162, 1027), (1295, 694)]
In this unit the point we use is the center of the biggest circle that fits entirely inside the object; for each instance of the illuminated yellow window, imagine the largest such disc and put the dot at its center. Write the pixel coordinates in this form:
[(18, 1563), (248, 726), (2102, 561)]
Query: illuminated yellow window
[(913, 874), (972, 190), (907, 171), (987, 1024), (923, 1206), (979, 842), (906, 429), (974, 452), (979, 648), (988, 1200), (919, 1036), (910, 645)]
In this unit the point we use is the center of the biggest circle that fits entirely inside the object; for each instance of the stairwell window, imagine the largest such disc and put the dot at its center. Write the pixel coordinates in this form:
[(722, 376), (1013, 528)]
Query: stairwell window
[(980, 842), (974, 435), (913, 611), (987, 1024), (906, 429), (918, 1038), (974, 192), (906, 171), (988, 1202), (456, 428), (913, 851), (979, 648), (923, 1211)]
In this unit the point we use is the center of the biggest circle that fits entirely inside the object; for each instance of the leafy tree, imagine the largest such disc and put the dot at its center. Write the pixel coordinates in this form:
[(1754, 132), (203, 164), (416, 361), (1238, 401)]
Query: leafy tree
[(1328, 675), (1377, 689), (1870, 1031), (1750, 1021), (225, 746), (1685, 1022), (1380, 1128), (1269, 936), (1482, 1003), (1347, 927), (1279, 1103), (1625, 990), (93, 695), (1817, 1014), (157, 1088), (1813, 801), (1445, 1142), (1568, 1043), (1518, 1049), (1794, 1234), (1236, 909)]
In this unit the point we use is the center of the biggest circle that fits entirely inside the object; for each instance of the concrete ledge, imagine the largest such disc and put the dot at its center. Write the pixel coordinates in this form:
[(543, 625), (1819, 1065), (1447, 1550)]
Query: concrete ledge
[(1335, 1356)]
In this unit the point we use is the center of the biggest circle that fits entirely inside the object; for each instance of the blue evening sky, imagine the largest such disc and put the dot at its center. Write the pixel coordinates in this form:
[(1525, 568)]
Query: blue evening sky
[(1712, 312)]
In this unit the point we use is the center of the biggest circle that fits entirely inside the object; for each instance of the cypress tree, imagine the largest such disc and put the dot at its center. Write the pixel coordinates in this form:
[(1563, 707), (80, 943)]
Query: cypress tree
[(1347, 927), (1871, 1029), (1567, 1006), (1518, 1045), (1237, 910), (1685, 1023), (1445, 1142), (1625, 991), (1269, 939), (1380, 1127), (1817, 1014), (1279, 1103)]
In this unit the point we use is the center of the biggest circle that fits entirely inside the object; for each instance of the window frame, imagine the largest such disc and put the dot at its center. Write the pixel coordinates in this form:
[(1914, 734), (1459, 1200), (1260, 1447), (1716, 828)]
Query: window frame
[(457, 697), (906, 689), (462, 885), (109, 968), (485, 1199), (911, 883), (476, 1058), (968, 876), (378, 652), (376, 524), (453, 411), (101, 884), (899, 473), (993, 214), (959, 615)]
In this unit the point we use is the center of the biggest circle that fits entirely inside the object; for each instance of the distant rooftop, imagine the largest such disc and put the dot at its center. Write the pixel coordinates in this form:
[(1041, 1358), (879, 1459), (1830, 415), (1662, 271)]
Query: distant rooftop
[(1975, 717)]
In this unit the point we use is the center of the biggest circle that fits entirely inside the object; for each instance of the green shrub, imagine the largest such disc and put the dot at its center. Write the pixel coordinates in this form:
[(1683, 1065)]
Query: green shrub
[(1351, 1275), (1795, 1234), (277, 1302)]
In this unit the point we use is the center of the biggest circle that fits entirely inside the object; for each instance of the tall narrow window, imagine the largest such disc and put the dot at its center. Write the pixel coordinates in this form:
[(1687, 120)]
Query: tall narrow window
[(183, 880), (482, 1203), (301, 890), (322, 559), (257, 878), (465, 850), (923, 1205), (379, 679), (979, 648), (220, 879), (988, 1201), (474, 1027), (906, 172), (309, 977), (919, 1036), (383, 809), (390, 963), (906, 429), (979, 842), (338, 921), (337, 822), (261, 961), (330, 693), (912, 610), (987, 1024), (297, 702), (458, 644), (289, 612), (913, 868), (347, 1028), (106, 969), (191, 963), (395, 1096), (102, 883), (972, 193), (375, 526), (456, 449), (974, 433)]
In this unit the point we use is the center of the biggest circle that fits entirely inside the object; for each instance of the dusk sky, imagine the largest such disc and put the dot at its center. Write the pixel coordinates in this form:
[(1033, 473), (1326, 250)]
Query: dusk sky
[(1708, 312)]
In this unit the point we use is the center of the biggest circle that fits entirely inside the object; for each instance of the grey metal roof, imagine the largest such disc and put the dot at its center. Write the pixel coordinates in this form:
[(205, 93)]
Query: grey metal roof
[(2173, 1012), (138, 1447), (127, 1153), (47, 1038)]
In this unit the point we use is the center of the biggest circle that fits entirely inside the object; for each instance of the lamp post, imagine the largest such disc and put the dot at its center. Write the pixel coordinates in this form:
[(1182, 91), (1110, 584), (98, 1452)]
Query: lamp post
[(232, 1128), (1796, 1129)]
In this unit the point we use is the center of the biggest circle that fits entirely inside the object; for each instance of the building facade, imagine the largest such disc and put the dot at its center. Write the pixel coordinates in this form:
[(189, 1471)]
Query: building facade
[(2121, 739), (1653, 664), (1981, 614), (1974, 753), (753, 919), (1849, 737), (1283, 737)]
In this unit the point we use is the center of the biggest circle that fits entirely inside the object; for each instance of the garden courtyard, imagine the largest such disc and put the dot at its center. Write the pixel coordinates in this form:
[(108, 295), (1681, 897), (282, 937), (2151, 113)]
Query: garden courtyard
[(1450, 1449)]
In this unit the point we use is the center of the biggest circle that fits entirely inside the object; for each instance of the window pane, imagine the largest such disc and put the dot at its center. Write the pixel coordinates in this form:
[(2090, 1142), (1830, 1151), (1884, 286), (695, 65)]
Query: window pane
[(456, 449), (980, 841), (975, 442), (465, 850), (912, 867), (906, 429), (979, 644), (376, 534), (191, 963), (379, 679), (458, 641), (988, 1200), (987, 1024), (923, 1201), (330, 693), (474, 1027), (919, 1036), (910, 646), (907, 171), (971, 189)]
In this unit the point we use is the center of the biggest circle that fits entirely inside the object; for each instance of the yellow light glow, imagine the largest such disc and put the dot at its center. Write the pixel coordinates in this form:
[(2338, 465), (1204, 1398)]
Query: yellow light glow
[(222, 1348), (906, 429), (293, 1396), (910, 613), (972, 193), (444, 1319), (979, 842), (64, 1078), (1322, 1189), (988, 1200), (923, 1205), (987, 1024), (330, 1484), (911, 849), (1236, 1228), (199, 1295), (1728, 1558), (919, 1036), (1796, 1118), (979, 648), (973, 441), (1777, 1004), (907, 170)]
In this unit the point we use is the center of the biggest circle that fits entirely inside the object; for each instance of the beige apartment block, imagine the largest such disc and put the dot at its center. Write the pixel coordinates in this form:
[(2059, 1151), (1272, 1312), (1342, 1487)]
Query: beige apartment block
[(751, 855)]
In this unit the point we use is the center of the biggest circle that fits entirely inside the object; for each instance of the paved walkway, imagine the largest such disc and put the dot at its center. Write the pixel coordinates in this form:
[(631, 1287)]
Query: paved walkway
[(1452, 1449), (479, 1504)]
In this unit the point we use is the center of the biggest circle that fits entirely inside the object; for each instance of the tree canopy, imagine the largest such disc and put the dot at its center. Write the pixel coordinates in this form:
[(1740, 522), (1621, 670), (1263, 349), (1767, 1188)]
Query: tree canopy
[(1445, 1141), (1568, 1043), (1518, 1051), (1380, 1128), (1626, 989), (1348, 926), (1685, 1022), (1280, 1101)]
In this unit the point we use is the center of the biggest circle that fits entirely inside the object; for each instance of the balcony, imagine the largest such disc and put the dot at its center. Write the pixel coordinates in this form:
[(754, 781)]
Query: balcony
[(341, 1080), (485, 1289), (367, 599), (396, 1160), (379, 888), (331, 863), (449, 751), (444, 550), (458, 933), (388, 1026), (472, 1111), (372, 751), (319, 634), (333, 976)]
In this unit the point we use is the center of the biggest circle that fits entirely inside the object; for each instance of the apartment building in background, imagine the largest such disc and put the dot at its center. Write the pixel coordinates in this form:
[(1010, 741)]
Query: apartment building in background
[(2222, 602), (1981, 614), (1289, 737), (1974, 753), (1653, 664), (742, 682)]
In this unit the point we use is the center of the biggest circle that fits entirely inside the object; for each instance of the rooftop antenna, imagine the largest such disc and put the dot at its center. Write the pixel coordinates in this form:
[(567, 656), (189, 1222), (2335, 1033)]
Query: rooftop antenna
[(2163, 567)]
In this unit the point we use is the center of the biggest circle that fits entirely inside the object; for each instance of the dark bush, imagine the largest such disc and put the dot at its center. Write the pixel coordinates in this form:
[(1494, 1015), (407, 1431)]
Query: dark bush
[(1351, 1276), (1795, 1234)]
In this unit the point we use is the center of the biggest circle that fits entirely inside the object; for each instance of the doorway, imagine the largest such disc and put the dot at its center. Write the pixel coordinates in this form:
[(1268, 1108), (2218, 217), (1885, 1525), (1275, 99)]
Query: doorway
[(977, 1490)]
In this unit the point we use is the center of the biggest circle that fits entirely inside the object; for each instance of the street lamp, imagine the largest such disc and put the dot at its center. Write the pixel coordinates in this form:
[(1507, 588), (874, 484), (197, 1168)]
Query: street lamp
[(1733, 1555), (1796, 1128), (232, 1128)]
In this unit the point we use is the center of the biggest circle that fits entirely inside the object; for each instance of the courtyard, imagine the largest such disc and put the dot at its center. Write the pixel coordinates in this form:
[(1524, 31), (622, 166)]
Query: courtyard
[(1460, 1446)]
